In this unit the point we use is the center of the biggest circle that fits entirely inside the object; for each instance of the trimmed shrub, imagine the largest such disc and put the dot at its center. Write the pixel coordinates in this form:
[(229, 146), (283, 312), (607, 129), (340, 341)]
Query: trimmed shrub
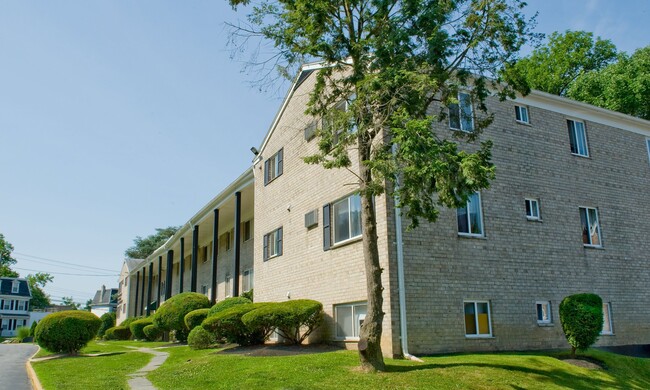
[(248, 295), (127, 322), (152, 332), (200, 338), (108, 321), (32, 329), (117, 333), (195, 318), (137, 328), (582, 320), (22, 333), (227, 303), (294, 320), (170, 316), (227, 324), (67, 331)]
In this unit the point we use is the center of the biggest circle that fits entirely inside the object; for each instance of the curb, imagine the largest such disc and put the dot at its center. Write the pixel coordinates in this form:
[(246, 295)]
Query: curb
[(36, 384)]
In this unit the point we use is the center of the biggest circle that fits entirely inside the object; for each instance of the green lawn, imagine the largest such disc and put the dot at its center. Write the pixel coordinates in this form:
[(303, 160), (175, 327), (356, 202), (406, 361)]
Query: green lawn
[(107, 346)]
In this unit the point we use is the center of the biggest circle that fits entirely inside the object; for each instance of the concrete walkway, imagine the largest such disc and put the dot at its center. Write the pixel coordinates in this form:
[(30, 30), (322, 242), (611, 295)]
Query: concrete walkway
[(139, 380), (13, 358)]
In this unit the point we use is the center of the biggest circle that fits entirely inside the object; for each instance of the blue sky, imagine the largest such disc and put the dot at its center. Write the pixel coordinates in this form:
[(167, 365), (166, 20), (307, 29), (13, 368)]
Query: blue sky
[(119, 117)]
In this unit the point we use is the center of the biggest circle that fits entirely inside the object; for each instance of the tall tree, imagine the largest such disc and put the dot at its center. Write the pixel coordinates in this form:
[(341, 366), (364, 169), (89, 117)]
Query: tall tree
[(37, 281), (143, 247), (554, 66), (6, 260), (623, 86), (390, 61)]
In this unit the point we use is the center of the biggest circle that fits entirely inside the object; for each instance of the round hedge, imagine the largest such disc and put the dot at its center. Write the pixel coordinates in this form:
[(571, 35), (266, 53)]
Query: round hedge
[(227, 324), (195, 318), (582, 320), (295, 320), (152, 332), (171, 314), (117, 333), (137, 328), (200, 338), (108, 321), (67, 331), (228, 303)]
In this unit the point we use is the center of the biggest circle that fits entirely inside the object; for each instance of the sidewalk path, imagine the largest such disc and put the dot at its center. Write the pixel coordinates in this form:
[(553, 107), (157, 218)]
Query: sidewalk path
[(13, 358), (139, 380)]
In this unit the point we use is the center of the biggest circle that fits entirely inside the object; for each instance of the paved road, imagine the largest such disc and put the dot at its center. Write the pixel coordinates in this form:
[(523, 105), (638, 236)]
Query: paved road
[(12, 365)]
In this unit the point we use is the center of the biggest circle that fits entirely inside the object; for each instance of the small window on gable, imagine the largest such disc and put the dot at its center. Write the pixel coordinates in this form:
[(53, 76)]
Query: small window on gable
[(532, 210), (590, 227), (272, 244), (577, 138), (543, 312), (273, 167), (470, 217), (607, 319), (14, 287), (461, 116), (338, 118), (521, 114)]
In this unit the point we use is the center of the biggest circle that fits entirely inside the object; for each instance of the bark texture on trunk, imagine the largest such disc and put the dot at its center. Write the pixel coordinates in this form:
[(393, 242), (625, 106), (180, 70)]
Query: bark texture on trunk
[(370, 352)]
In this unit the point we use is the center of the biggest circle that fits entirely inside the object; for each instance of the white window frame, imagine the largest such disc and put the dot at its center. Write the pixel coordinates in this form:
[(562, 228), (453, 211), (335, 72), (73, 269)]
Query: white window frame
[(333, 223), (489, 313), (459, 106), (356, 327), (247, 280), (530, 202), (20, 305), (590, 227), (549, 313), (469, 225), (607, 318), (522, 114), (274, 166), (578, 152), (15, 287)]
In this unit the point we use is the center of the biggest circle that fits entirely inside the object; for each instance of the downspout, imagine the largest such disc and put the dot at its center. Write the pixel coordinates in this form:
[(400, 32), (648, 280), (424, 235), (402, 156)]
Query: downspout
[(400, 274)]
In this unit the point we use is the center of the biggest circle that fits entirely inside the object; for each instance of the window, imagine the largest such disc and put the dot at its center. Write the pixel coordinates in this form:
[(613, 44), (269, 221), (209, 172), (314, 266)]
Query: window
[(348, 319), (521, 114), (204, 289), (648, 144), (532, 210), (273, 167), (203, 254), (247, 231), (590, 227), (460, 114), (543, 312), (470, 218), (21, 305), (347, 218), (607, 319), (577, 138), (273, 244), (227, 286), (225, 240), (338, 118), (14, 287), (247, 280), (7, 304), (477, 319)]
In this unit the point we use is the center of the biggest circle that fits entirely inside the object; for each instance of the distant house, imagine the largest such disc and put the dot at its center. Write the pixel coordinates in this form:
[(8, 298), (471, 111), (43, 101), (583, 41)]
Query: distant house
[(125, 293), (105, 301), (14, 305)]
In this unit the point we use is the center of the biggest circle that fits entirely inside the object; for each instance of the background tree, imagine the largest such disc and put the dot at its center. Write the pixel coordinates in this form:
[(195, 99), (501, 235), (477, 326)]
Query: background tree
[(623, 86), (87, 306), (390, 60), (37, 281), (143, 247), (554, 66), (69, 301), (6, 261)]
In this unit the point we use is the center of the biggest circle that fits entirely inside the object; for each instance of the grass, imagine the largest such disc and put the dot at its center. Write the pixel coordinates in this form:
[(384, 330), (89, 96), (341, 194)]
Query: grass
[(107, 346)]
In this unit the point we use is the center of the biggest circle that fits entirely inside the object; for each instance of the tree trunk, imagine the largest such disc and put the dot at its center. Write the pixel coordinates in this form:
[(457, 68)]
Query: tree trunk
[(370, 353), (573, 352)]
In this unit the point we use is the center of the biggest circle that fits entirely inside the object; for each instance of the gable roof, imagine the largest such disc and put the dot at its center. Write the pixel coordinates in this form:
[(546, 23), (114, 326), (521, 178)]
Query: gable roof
[(23, 287), (105, 296), (132, 264)]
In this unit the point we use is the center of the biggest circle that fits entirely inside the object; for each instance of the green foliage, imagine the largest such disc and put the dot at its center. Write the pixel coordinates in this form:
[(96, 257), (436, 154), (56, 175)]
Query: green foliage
[(152, 332), (248, 295), (22, 333), (227, 324), (69, 301), (228, 303), (294, 320), (108, 321), (32, 329), (137, 328), (582, 319), (128, 321), (118, 333), (143, 247), (200, 338), (555, 66), (623, 86), (37, 282), (67, 331), (170, 316), (195, 318), (6, 260)]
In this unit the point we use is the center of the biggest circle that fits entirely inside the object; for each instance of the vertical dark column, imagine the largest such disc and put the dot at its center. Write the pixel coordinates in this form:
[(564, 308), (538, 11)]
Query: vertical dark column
[(137, 288), (195, 254), (159, 280), (181, 266), (149, 288), (215, 252), (235, 278), (168, 275), (144, 276)]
